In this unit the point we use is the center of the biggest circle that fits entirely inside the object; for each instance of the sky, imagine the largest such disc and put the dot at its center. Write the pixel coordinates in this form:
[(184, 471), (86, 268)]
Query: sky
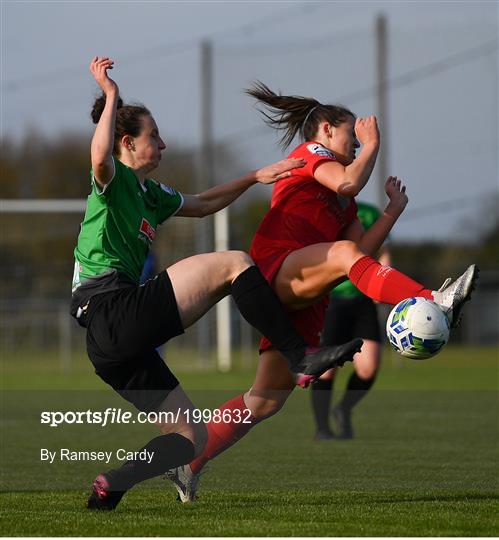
[(440, 134)]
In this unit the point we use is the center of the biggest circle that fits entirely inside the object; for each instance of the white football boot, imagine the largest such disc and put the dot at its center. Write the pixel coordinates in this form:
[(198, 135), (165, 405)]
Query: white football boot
[(452, 296), (185, 482)]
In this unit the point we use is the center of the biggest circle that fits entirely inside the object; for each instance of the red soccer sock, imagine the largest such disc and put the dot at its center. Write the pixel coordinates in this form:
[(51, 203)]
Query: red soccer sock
[(222, 435), (383, 283)]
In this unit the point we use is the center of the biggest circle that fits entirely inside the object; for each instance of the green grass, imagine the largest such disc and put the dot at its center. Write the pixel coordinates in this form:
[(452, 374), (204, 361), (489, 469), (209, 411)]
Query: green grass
[(424, 462), (269, 513)]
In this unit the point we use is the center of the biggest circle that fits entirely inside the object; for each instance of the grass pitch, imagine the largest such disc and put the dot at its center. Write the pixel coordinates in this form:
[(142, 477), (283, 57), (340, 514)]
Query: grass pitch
[(423, 463)]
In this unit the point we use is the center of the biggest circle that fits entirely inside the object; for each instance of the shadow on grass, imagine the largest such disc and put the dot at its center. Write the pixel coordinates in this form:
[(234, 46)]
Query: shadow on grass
[(438, 498)]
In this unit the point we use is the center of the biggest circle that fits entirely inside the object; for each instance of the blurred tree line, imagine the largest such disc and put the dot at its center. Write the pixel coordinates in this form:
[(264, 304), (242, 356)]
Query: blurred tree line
[(37, 249)]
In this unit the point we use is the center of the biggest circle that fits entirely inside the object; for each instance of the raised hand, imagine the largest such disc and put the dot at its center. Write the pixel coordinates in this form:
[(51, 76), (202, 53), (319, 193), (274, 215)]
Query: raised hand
[(397, 196), (277, 171), (99, 67), (366, 130)]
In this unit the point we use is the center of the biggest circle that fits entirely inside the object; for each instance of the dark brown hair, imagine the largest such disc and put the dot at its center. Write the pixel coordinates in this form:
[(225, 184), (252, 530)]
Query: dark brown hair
[(128, 119), (293, 114)]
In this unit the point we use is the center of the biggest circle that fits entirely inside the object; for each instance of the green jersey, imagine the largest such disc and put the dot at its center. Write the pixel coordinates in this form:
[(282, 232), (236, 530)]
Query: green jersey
[(367, 215), (120, 224)]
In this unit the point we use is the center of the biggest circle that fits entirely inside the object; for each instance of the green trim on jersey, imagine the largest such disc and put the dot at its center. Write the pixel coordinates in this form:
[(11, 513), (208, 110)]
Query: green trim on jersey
[(367, 214), (120, 224)]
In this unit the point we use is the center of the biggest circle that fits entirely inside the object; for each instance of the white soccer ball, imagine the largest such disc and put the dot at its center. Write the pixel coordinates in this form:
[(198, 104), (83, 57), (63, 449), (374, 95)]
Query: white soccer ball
[(417, 328)]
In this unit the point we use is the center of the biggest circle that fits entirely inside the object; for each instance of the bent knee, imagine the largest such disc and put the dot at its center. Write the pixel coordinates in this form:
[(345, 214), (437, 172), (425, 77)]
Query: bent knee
[(239, 261), (344, 252)]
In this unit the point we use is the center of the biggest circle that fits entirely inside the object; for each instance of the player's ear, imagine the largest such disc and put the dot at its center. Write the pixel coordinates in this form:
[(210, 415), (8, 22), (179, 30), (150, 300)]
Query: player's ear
[(127, 142), (326, 129)]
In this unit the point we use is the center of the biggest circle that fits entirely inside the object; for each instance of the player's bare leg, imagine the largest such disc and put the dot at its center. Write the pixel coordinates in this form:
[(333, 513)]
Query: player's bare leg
[(177, 405), (201, 281), (181, 440), (271, 388), (305, 276), (309, 273)]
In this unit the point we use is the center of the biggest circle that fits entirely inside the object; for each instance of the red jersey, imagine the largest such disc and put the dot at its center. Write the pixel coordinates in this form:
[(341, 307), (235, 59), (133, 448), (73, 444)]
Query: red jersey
[(302, 212)]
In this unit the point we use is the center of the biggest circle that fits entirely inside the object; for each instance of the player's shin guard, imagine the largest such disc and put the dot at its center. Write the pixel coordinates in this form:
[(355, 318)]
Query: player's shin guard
[(222, 435), (320, 397), (259, 305), (383, 283), (356, 390), (155, 458)]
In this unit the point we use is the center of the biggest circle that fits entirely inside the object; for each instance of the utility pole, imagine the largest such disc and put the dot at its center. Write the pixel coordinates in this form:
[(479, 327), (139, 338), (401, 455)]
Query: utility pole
[(205, 179), (220, 224), (224, 330), (382, 105)]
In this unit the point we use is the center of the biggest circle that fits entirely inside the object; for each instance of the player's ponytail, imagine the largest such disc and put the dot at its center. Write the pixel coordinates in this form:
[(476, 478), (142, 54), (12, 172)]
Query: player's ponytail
[(295, 114), (128, 119)]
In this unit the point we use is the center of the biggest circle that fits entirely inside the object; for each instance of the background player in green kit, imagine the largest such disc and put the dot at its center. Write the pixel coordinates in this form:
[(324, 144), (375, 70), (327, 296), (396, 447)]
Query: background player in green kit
[(350, 313), (126, 321)]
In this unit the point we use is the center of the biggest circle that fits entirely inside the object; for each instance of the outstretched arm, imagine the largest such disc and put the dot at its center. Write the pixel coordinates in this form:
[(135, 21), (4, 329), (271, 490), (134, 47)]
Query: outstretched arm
[(350, 180), (218, 197), (101, 149), (371, 240)]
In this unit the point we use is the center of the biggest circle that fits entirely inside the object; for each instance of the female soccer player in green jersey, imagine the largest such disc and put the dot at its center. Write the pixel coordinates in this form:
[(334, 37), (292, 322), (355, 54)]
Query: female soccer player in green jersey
[(126, 322)]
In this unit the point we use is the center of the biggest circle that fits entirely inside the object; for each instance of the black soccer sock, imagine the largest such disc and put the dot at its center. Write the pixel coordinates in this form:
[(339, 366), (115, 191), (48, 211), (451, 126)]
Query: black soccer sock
[(168, 451), (260, 306), (320, 397), (356, 389)]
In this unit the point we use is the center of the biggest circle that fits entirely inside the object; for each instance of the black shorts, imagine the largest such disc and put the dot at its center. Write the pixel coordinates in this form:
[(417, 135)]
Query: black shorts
[(348, 318), (123, 332)]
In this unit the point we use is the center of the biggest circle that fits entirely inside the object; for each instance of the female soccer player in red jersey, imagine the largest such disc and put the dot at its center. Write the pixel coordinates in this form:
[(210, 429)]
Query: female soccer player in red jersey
[(309, 241), (126, 321)]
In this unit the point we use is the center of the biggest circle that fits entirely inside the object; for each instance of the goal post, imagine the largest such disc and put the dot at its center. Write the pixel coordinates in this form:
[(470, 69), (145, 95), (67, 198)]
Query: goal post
[(77, 206)]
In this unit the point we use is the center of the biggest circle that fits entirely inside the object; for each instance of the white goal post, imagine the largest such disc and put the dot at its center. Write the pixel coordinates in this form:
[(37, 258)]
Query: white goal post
[(54, 206)]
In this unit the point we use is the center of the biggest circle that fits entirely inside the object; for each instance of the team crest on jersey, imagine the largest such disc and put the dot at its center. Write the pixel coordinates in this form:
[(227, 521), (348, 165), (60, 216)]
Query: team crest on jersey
[(319, 150), (147, 229), (168, 189)]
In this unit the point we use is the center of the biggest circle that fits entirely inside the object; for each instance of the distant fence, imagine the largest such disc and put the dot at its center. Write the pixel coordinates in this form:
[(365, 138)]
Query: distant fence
[(481, 316), (39, 324)]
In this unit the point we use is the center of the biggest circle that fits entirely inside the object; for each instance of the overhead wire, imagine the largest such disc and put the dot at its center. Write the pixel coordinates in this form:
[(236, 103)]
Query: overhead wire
[(429, 70), (240, 136), (163, 50)]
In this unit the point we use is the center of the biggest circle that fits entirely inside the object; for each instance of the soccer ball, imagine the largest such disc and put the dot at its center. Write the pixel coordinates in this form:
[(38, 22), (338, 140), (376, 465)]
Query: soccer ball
[(417, 328)]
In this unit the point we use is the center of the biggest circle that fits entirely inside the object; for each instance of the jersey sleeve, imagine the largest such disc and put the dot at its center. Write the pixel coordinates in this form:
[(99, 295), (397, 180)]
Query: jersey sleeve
[(368, 214), (313, 153), (170, 202), (103, 192)]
